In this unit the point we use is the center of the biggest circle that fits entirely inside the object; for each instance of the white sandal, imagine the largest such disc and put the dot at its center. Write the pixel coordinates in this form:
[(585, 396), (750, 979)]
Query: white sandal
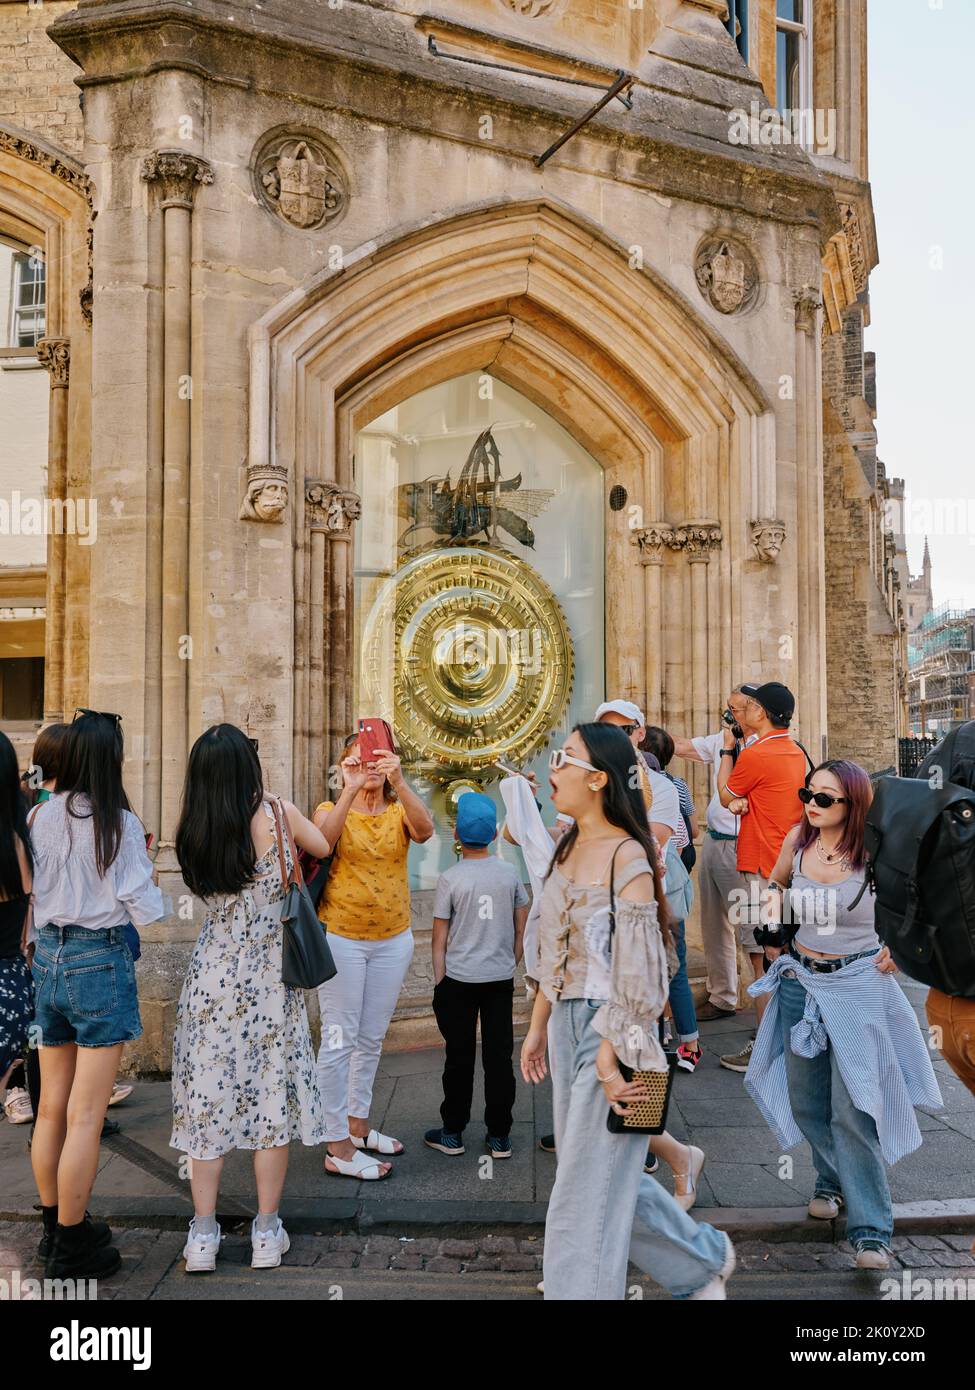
[(377, 1143), (688, 1180), (368, 1169)]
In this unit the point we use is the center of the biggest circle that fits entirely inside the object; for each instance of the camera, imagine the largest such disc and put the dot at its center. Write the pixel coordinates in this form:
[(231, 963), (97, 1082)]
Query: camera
[(735, 727)]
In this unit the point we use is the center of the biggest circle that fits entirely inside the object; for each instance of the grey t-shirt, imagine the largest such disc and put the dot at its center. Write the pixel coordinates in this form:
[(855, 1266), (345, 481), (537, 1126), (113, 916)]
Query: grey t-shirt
[(478, 898)]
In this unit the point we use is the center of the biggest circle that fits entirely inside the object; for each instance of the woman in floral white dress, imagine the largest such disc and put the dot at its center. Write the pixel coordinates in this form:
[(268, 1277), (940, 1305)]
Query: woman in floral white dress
[(243, 1065)]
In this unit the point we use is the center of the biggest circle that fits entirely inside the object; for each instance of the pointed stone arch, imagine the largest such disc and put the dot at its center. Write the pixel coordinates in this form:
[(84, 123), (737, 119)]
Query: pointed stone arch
[(541, 297)]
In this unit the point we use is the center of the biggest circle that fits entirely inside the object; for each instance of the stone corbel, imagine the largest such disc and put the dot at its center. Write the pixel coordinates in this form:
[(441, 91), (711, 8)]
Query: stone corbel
[(331, 510), (768, 536), (715, 7), (179, 174), (700, 539), (651, 541), (808, 302), (55, 355)]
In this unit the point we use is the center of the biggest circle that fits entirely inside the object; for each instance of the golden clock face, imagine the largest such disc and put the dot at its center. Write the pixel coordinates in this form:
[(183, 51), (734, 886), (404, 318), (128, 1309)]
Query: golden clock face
[(467, 653)]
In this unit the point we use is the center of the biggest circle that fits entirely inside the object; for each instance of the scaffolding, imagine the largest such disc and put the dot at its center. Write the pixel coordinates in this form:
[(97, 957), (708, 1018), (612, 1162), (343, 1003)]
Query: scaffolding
[(941, 665)]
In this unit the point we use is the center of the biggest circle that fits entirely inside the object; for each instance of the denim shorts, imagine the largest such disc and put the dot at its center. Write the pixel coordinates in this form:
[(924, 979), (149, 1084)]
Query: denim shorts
[(84, 986)]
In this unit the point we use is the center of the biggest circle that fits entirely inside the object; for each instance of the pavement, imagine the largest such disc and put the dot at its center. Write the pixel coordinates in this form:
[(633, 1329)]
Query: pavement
[(748, 1186)]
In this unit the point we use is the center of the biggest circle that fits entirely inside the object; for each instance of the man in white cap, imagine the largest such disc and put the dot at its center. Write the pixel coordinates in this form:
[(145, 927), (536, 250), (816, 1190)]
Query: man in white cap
[(659, 794)]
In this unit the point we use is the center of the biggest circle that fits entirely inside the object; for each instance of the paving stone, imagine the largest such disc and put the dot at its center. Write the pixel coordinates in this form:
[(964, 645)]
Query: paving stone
[(953, 1259), (792, 1257), (440, 1264), (837, 1260), (339, 1259), (373, 1260), (426, 1246), (530, 1246), (965, 1242), (498, 1245), (485, 1262), (355, 1244), (383, 1245), (928, 1242), (917, 1259), (458, 1249), (404, 1260), (512, 1264)]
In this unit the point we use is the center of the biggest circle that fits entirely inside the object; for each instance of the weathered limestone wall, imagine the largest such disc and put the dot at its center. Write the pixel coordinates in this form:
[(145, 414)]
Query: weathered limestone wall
[(37, 90)]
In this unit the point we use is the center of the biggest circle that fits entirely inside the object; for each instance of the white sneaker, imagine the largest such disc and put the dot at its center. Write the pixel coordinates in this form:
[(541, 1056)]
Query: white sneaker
[(685, 1185), (716, 1291), (267, 1247), (17, 1106), (200, 1252)]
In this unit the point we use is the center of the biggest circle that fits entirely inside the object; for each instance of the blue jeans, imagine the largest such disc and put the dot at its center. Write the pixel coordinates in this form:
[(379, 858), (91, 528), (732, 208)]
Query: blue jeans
[(84, 983), (843, 1139), (604, 1210), (681, 998)]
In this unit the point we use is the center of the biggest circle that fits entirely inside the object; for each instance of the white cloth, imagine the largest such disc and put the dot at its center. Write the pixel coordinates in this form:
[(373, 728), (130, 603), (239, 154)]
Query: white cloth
[(527, 829), (719, 817), (68, 890), (356, 1006), (666, 804)]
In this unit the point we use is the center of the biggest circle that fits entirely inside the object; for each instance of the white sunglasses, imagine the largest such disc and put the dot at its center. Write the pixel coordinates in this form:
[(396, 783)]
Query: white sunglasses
[(559, 757)]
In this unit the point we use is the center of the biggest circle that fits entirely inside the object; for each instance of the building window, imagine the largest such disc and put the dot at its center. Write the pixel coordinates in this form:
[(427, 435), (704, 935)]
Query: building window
[(737, 25), (27, 300), (793, 53)]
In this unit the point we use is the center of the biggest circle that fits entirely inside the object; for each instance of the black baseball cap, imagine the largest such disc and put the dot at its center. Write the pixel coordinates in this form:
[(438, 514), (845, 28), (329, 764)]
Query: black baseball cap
[(776, 700)]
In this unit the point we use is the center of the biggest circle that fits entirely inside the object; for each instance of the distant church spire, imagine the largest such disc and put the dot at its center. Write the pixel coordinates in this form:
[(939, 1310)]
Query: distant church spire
[(926, 562)]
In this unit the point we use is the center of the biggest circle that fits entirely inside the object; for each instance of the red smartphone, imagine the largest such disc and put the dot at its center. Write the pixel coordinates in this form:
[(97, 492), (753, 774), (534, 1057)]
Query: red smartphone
[(375, 737)]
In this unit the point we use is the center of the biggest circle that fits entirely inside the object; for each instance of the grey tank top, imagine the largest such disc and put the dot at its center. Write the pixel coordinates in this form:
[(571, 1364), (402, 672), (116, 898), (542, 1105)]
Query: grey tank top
[(828, 926)]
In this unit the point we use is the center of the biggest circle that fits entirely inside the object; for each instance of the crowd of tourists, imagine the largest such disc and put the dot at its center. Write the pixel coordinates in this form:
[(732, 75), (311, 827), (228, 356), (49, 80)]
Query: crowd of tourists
[(779, 864)]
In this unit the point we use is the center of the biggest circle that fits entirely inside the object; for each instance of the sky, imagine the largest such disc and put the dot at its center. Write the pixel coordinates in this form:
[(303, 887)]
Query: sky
[(922, 294)]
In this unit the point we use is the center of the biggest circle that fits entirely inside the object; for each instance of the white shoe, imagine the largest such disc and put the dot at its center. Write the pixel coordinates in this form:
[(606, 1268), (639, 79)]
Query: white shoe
[(200, 1252), (872, 1255), (120, 1091), (267, 1247), (17, 1106), (716, 1291), (824, 1206), (540, 1286), (685, 1184)]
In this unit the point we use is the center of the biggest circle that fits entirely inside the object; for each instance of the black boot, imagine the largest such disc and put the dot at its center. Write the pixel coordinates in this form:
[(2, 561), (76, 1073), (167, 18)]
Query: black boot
[(100, 1231), (80, 1252)]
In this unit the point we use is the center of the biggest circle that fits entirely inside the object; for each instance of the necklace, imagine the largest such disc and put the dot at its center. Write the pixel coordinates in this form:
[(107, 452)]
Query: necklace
[(834, 858)]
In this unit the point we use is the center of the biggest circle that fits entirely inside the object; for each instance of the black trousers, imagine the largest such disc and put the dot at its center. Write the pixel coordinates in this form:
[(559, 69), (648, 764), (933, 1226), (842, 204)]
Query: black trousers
[(456, 1006)]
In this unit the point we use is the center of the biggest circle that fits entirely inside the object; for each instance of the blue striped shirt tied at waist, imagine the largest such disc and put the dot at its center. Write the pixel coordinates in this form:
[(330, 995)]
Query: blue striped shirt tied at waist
[(864, 1015)]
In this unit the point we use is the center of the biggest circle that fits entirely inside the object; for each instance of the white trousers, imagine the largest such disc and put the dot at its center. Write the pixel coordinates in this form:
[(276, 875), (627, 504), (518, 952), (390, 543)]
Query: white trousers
[(356, 1006)]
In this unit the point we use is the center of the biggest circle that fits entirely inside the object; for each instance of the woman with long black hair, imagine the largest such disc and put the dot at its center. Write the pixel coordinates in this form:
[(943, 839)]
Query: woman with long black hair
[(599, 999), (243, 1066), (92, 879), (16, 867)]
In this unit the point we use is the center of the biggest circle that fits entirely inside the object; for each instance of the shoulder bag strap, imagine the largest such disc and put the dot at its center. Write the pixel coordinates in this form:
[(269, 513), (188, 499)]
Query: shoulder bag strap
[(612, 892), (295, 875), (279, 839)]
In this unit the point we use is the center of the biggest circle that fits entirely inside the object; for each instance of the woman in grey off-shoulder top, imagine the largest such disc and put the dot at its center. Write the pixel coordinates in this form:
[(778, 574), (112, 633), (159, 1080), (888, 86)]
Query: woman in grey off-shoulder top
[(602, 979)]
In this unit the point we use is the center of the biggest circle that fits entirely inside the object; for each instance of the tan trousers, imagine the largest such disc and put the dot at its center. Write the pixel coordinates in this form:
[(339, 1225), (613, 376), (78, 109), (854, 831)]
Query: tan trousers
[(717, 876)]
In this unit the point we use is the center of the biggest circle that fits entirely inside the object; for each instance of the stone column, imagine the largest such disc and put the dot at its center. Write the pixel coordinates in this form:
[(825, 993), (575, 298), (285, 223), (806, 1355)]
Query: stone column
[(811, 610), (329, 512), (55, 355), (651, 541), (701, 540), (177, 174)]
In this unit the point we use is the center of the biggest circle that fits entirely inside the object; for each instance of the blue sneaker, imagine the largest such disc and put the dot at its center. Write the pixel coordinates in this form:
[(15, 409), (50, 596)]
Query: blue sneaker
[(445, 1142), (498, 1147)]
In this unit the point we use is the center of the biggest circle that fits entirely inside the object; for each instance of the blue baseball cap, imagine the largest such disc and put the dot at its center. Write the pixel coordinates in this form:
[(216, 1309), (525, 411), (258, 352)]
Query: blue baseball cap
[(477, 819)]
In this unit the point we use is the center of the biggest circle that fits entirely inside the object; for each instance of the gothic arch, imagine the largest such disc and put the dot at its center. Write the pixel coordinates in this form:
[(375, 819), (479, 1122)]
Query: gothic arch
[(540, 296)]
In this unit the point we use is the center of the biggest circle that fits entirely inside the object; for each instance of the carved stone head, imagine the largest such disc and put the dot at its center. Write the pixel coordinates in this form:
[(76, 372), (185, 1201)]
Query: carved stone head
[(768, 538), (267, 494)]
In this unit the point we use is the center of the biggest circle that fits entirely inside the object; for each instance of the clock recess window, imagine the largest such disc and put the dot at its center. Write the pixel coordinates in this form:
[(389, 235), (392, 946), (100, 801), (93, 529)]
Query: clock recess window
[(478, 591)]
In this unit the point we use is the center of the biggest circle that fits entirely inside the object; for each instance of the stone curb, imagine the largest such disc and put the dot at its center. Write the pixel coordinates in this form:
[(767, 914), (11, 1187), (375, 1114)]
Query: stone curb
[(517, 1219)]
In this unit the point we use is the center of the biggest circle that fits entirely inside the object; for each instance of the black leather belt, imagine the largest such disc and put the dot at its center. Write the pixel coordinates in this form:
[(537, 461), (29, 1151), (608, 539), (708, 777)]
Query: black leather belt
[(826, 967)]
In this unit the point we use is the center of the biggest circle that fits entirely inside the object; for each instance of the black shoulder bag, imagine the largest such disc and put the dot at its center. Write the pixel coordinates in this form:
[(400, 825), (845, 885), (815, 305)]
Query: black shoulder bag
[(306, 961)]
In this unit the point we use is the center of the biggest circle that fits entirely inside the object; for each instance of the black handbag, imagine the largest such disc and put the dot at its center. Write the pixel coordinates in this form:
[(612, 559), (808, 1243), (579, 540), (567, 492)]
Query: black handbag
[(642, 1116), (306, 961), (315, 873)]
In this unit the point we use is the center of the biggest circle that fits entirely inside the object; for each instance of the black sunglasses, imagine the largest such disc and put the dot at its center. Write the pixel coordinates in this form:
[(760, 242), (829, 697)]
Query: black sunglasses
[(628, 729), (99, 714), (822, 799)]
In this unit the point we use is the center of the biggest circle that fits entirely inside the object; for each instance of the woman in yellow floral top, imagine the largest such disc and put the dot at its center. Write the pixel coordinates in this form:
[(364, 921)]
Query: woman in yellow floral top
[(366, 907), (599, 998)]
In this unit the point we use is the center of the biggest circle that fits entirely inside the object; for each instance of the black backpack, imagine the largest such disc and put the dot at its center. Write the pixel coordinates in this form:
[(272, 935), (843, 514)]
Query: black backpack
[(920, 844)]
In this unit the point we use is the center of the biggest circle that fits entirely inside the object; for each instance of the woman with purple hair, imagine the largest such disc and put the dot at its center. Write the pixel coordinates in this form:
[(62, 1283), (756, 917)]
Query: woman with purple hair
[(839, 1059)]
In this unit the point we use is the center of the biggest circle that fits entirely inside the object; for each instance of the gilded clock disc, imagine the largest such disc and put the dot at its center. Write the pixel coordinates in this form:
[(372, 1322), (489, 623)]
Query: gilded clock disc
[(467, 653)]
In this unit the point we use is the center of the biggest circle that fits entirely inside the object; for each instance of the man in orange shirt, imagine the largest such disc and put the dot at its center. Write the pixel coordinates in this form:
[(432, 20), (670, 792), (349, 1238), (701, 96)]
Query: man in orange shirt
[(762, 787)]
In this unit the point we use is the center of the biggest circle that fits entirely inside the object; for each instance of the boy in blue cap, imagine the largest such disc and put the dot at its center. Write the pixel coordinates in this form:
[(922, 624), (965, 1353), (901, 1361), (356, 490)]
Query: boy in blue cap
[(479, 915)]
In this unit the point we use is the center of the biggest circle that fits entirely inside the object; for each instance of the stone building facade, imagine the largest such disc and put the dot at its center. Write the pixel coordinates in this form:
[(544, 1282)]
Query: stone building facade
[(304, 255)]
